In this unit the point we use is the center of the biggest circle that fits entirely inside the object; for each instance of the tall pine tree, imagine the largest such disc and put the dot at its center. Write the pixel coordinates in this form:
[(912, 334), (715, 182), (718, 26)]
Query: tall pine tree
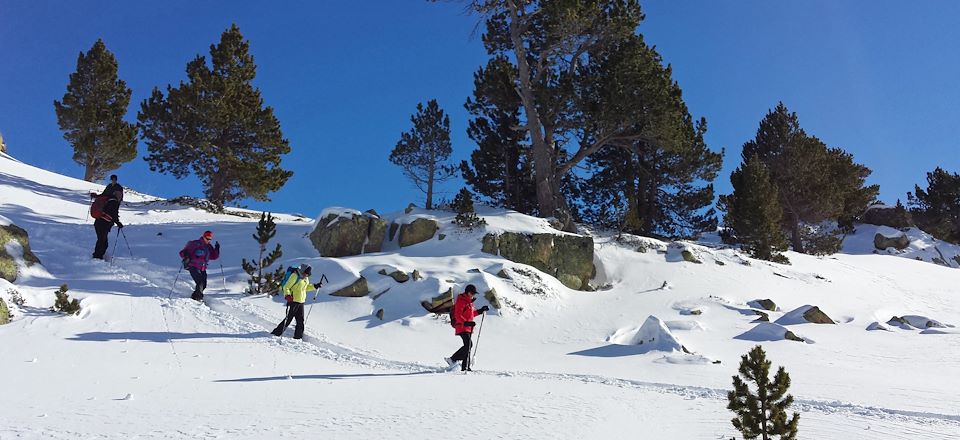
[(216, 125), (654, 181), (937, 209), (91, 112), (753, 211), (815, 183), (423, 151), (764, 413), (500, 168)]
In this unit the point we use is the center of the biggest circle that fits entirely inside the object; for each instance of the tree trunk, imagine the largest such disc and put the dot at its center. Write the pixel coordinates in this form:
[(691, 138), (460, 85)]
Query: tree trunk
[(543, 160), (795, 238), (429, 204), (88, 172)]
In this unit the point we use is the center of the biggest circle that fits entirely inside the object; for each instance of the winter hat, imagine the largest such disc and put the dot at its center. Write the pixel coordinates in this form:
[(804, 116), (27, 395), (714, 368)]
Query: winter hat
[(306, 269), (470, 289), (208, 235), (113, 177)]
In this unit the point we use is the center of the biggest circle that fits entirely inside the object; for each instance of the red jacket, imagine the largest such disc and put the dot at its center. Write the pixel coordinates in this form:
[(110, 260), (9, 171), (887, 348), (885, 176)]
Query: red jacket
[(199, 253), (463, 311)]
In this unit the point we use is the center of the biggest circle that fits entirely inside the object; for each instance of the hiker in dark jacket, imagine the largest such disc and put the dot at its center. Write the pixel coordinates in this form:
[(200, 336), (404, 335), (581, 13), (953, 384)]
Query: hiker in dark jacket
[(195, 255), (463, 324), (113, 187), (109, 215)]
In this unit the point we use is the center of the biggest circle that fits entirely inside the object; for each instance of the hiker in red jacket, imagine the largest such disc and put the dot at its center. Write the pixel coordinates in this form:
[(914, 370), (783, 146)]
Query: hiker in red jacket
[(108, 215), (463, 324), (196, 254)]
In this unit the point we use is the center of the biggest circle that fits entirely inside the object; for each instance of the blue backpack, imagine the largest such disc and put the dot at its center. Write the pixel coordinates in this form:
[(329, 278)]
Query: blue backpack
[(291, 272)]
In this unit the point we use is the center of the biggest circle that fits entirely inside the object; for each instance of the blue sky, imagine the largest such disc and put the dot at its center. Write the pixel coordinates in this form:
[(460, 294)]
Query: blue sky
[(877, 78)]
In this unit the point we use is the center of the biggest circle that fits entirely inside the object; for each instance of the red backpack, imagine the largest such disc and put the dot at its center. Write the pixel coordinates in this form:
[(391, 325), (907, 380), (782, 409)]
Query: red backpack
[(96, 208)]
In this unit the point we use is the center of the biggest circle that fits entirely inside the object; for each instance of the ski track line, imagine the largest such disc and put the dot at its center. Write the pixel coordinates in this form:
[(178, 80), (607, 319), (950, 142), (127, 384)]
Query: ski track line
[(240, 316)]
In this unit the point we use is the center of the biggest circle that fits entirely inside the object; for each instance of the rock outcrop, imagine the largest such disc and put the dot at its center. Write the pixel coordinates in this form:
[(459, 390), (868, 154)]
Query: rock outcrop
[(417, 231), (355, 290), (4, 312), (898, 242), (342, 234), (892, 216), (8, 263), (569, 258)]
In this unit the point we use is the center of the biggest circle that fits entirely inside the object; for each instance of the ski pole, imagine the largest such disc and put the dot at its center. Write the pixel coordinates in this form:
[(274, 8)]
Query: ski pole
[(170, 295), (224, 278), (125, 241), (323, 278), (116, 240), (475, 347)]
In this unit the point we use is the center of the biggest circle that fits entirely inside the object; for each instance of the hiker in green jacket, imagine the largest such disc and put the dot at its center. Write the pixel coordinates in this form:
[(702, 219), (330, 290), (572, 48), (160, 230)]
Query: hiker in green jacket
[(295, 292)]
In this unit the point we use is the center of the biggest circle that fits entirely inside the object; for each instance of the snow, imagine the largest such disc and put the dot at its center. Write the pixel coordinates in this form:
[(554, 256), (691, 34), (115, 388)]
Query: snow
[(145, 361)]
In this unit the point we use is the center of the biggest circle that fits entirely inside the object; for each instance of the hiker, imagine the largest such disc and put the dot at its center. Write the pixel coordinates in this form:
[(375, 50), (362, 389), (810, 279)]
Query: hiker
[(196, 254), (463, 314), (113, 187), (295, 292), (106, 215)]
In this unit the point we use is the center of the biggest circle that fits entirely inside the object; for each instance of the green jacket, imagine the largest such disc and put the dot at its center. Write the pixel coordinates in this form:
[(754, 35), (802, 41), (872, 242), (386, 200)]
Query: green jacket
[(297, 287)]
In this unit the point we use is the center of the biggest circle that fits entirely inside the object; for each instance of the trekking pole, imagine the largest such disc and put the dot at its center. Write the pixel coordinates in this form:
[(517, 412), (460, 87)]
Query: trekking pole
[(125, 241), (224, 278), (170, 295), (475, 347), (323, 278), (116, 240)]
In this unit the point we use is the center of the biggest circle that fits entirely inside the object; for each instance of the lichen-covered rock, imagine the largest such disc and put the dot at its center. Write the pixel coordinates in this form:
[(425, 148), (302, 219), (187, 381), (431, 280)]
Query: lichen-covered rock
[(440, 303), (336, 235), (816, 316), (892, 216), (416, 275), (688, 256), (492, 298), (417, 231), (399, 276), (503, 274), (8, 264), (883, 242), (767, 304), (355, 290), (569, 258), (764, 317), (4, 312), (792, 336)]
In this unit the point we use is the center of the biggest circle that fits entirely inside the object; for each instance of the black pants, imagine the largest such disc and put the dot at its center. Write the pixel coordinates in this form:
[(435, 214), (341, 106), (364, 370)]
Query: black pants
[(103, 230), (295, 311), (199, 277), (463, 354)]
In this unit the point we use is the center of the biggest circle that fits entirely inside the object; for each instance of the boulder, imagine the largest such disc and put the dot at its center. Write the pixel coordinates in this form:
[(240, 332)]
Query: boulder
[(492, 298), (3, 145), (409, 208), (345, 234), (898, 242), (792, 336), (417, 231), (355, 290), (440, 303), (764, 317), (380, 314), (399, 276), (892, 216), (688, 256), (4, 312), (816, 316), (569, 258), (503, 274), (416, 275), (8, 263), (767, 304)]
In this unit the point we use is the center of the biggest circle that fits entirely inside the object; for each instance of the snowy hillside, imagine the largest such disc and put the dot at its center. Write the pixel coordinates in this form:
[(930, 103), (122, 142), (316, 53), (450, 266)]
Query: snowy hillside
[(143, 360)]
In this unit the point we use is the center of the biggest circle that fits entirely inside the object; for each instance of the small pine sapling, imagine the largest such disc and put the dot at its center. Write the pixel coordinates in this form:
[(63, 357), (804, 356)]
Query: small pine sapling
[(764, 413), (64, 304), (16, 297), (463, 206), (268, 283)]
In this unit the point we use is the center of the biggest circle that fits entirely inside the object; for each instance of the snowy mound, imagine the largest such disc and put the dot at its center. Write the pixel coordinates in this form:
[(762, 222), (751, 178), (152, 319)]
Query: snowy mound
[(922, 246), (653, 335)]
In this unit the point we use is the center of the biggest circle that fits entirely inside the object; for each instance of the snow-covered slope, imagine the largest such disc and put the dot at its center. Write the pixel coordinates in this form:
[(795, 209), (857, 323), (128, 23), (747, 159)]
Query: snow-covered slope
[(143, 360)]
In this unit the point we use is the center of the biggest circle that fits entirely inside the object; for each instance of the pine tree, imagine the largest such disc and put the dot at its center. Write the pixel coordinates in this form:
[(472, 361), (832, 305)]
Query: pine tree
[(91, 114), (653, 182), (64, 304), (764, 413), (753, 212), (499, 169), (466, 215), (260, 283), (422, 151), (815, 183), (216, 125), (936, 210)]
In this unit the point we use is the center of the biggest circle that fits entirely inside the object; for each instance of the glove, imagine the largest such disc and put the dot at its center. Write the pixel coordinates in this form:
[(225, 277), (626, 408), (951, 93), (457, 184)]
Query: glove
[(483, 309), (469, 324), (289, 298), (216, 245), (317, 285), (119, 225), (186, 262)]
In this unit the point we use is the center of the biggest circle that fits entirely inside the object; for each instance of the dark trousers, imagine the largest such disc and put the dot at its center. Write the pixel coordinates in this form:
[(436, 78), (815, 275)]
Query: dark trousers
[(294, 311), (463, 354), (199, 277), (103, 230)]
